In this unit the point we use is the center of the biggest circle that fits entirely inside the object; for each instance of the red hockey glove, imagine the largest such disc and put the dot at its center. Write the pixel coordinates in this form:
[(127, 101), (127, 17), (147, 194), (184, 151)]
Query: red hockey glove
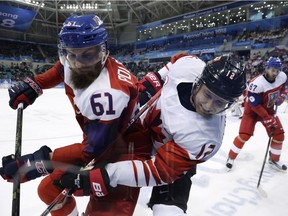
[(270, 122), (30, 166), (87, 182), (148, 86), (25, 92)]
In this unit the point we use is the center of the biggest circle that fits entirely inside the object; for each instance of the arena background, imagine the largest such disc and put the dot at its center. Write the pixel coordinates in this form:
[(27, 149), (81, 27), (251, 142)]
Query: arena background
[(144, 35)]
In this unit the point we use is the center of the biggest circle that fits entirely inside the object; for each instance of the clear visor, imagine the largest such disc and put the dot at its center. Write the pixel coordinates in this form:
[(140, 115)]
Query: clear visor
[(82, 57), (218, 104), (208, 103)]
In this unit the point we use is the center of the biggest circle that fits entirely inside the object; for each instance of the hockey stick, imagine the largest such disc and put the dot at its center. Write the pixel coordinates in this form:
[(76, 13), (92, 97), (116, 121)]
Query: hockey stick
[(260, 189), (18, 145), (64, 194), (286, 107)]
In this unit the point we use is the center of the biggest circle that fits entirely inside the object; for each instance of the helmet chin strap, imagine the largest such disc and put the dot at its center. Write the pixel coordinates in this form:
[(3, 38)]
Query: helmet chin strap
[(104, 58), (105, 55), (194, 90), (228, 106)]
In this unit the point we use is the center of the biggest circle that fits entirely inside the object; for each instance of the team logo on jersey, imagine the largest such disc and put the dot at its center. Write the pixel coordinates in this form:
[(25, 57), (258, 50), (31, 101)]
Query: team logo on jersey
[(272, 98), (251, 99), (40, 167)]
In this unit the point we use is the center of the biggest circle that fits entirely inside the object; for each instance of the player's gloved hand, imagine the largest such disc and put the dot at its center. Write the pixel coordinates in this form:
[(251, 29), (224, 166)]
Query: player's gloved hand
[(281, 99), (25, 92), (149, 86), (270, 122), (87, 182), (30, 166)]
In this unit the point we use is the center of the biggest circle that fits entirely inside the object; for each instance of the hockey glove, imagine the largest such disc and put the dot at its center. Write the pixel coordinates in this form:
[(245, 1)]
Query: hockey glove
[(280, 99), (30, 166), (270, 122), (87, 182), (148, 86), (25, 92)]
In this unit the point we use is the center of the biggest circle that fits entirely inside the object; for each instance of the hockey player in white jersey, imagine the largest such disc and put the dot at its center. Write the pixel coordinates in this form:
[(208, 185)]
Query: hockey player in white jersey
[(186, 124)]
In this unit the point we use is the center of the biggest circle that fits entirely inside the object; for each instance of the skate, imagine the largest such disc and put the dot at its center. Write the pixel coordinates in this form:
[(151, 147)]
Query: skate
[(229, 164), (277, 165)]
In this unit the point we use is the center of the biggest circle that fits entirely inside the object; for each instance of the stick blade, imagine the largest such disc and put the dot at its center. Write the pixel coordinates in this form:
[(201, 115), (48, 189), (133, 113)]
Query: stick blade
[(262, 192)]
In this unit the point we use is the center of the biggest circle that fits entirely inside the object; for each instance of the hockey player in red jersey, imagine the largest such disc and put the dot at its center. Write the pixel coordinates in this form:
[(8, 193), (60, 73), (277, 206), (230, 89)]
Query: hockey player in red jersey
[(264, 92), (186, 125), (104, 95)]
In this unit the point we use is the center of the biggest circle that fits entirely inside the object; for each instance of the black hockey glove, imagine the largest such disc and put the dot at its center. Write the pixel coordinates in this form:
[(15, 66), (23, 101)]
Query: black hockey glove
[(30, 166), (25, 92), (87, 182), (149, 86)]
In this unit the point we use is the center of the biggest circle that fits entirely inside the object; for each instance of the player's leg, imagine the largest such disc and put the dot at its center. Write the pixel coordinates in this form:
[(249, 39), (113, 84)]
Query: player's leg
[(246, 130), (172, 199), (276, 147), (63, 158), (121, 202), (48, 191)]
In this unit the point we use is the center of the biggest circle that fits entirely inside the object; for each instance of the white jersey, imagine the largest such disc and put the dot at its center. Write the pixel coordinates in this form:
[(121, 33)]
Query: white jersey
[(99, 100), (261, 85), (184, 139), (265, 93), (189, 130), (107, 104)]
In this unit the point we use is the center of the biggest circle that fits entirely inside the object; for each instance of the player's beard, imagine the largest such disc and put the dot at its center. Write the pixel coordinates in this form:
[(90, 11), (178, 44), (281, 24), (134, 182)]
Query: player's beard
[(82, 78)]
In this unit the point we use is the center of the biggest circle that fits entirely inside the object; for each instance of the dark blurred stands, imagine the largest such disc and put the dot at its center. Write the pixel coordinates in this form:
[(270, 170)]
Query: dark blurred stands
[(19, 59)]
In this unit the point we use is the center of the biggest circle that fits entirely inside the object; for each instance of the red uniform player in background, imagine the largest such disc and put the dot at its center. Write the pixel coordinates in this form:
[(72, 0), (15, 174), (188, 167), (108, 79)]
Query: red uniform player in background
[(264, 92)]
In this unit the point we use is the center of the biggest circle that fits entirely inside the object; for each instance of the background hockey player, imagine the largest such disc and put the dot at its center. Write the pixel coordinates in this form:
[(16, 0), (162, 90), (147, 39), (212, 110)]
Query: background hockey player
[(264, 92), (236, 109)]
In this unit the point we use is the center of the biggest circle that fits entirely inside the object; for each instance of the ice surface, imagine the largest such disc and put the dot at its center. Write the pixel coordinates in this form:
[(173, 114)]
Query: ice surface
[(215, 192)]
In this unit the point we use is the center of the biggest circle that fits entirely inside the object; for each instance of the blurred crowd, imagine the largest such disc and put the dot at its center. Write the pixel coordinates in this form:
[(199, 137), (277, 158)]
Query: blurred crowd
[(24, 56), (16, 71), (255, 65)]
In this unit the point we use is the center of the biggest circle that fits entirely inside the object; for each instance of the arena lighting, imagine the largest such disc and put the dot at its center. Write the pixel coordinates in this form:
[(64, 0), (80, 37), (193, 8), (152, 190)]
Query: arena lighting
[(86, 7), (33, 3)]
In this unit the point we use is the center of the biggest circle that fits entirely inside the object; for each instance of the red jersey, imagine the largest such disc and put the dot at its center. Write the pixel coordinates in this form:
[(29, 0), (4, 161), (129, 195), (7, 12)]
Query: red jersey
[(104, 108), (262, 94)]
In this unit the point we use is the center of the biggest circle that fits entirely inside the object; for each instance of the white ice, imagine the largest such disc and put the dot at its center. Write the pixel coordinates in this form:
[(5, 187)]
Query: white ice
[(215, 192)]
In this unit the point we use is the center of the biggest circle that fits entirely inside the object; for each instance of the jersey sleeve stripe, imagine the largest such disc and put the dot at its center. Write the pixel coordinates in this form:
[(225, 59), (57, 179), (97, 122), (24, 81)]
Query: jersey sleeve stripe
[(135, 173)]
